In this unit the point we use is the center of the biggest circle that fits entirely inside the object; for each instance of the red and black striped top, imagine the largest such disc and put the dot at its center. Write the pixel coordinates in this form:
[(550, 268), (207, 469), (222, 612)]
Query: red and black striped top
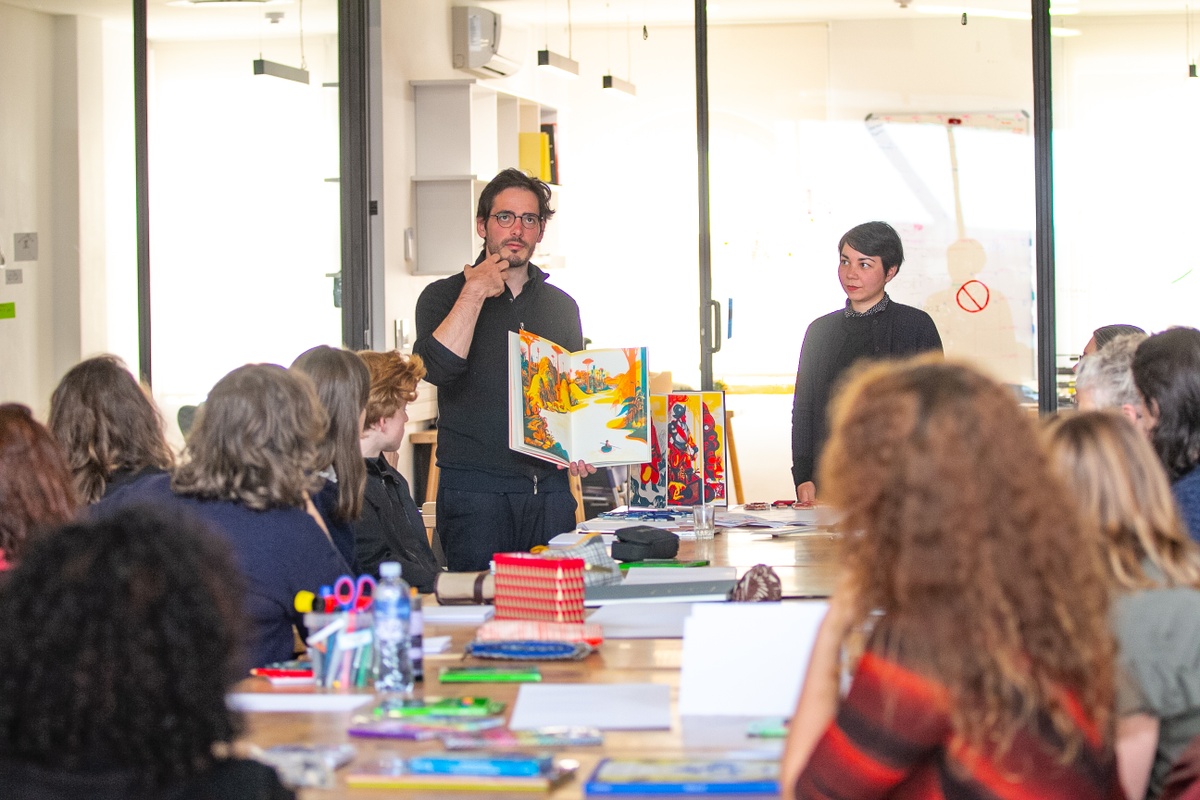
[(893, 738)]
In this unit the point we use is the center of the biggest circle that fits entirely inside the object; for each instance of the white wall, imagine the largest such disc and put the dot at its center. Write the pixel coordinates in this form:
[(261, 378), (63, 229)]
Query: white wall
[(54, 129), (27, 343)]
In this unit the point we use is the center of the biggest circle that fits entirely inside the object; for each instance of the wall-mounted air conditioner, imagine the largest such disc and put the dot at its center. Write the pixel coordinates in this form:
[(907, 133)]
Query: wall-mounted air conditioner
[(477, 46)]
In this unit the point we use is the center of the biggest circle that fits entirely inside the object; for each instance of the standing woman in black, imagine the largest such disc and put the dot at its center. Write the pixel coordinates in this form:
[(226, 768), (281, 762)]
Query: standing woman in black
[(871, 326)]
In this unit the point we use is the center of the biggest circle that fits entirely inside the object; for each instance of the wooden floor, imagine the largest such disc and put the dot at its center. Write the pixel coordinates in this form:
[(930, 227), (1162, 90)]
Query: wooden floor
[(806, 566)]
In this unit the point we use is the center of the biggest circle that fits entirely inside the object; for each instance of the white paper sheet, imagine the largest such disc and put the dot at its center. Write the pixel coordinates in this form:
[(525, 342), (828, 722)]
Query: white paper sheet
[(767, 645), (642, 620), (432, 645), (607, 706), (296, 701), (572, 538), (457, 615)]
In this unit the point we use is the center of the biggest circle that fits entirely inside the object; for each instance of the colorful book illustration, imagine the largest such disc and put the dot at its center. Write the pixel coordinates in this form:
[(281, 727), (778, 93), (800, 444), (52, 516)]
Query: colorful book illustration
[(677, 776), (591, 405), (687, 464)]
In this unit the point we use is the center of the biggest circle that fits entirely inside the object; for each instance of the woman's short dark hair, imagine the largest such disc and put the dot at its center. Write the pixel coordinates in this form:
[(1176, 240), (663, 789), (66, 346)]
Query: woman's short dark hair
[(119, 638), (876, 239), (343, 386), (106, 422), (1166, 369), (36, 489), (512, 178), (257, 440), (1106, 333)]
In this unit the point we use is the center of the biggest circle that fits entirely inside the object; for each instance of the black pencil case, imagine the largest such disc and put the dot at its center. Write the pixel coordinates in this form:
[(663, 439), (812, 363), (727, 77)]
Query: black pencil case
[(639, 542)]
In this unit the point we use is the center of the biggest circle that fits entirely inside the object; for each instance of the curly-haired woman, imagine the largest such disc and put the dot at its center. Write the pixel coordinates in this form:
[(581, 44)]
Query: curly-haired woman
[(110, 428), (35, 485), (391, 528), (248, 469), (118, 641), (1155, 571), (988, 666)]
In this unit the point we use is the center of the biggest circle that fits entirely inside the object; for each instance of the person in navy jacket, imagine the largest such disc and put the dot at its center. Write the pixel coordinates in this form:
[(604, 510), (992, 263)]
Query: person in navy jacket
[(248, 471)]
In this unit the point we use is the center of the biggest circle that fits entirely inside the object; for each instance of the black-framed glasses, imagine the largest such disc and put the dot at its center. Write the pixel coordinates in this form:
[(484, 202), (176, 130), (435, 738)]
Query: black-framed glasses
[(505, 219)]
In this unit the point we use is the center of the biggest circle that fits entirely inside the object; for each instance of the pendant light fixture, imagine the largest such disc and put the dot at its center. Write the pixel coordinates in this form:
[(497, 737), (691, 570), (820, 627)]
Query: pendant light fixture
[(610, 81), (564, 64)]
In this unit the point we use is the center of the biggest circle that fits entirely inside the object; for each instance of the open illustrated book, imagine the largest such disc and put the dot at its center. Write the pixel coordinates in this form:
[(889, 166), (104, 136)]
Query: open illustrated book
[(591, 405)]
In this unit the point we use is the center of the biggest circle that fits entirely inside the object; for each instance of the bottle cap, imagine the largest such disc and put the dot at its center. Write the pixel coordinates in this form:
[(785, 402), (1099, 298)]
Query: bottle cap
[(389, 569)]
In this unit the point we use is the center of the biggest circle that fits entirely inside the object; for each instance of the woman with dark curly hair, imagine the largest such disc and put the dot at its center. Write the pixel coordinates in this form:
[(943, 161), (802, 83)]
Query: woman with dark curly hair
[(35, 484), (1166, 369), (1155, 572), (343, 384), (988, 666), (119, 638), (248, 470), (110, 428)]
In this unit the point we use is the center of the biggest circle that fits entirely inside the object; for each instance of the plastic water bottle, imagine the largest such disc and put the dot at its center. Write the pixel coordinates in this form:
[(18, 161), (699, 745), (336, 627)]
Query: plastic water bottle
[(393, 611), (416, 637)]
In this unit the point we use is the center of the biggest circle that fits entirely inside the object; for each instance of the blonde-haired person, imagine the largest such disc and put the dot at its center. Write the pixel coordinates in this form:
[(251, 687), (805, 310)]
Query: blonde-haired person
[(110, 428), (988, 664), (248, 471), (391, 528), (1155, 571)]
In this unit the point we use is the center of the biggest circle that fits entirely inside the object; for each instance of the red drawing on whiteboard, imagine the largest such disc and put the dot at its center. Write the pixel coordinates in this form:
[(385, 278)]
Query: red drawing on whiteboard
[(973, 297)]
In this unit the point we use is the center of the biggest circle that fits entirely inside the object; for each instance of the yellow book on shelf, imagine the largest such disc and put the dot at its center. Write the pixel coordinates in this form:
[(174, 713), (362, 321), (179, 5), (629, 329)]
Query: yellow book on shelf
[(534, 154)]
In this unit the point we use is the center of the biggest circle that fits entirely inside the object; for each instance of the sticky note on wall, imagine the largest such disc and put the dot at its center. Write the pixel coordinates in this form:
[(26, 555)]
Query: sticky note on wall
[(8, 310)]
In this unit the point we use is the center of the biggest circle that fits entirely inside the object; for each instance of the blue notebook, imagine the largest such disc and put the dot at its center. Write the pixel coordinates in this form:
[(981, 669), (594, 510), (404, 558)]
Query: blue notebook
[(683, 776)]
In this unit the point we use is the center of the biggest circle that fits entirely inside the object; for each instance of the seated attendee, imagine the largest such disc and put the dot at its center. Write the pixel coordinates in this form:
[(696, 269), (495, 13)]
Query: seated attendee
[(36, 489), (988, 662), (1155, 571), (248, 468), (342, 384), (1166, 369), (118, 641), (870, 326), (1105, 379), (391, 528), (110, 428)]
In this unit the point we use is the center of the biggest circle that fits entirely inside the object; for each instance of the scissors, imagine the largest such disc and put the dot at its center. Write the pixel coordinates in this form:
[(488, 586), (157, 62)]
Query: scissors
[(354, 595)]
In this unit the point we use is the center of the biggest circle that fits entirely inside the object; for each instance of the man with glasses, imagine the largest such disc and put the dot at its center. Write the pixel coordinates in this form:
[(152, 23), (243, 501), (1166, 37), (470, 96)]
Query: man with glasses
[(491, 499)]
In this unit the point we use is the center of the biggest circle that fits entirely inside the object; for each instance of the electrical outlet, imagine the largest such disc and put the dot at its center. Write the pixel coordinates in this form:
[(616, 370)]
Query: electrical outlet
[(25, 247), (12, 276)]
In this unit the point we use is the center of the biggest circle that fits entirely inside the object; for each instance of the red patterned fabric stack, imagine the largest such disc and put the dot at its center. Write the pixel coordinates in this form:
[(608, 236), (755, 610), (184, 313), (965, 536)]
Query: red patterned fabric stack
[(532, 587)]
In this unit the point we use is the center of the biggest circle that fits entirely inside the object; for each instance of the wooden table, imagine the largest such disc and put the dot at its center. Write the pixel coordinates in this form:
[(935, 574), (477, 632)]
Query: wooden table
[(805, 564)]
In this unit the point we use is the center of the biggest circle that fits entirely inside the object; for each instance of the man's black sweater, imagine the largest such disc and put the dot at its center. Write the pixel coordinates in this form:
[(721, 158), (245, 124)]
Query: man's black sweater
[(473, 415)]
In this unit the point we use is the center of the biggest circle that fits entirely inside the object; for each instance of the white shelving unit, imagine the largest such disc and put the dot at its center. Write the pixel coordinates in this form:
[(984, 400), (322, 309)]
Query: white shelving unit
[(466, 133)]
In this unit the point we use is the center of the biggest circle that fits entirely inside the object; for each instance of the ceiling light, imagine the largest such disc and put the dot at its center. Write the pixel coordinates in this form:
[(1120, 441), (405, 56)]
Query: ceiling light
[(264, 67), (549, 58), (552, 60), (618, 85)]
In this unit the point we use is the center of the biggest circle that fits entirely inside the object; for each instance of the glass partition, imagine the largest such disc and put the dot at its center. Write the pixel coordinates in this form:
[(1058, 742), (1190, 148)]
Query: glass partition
[(823, 123), (244, 194), (1125, 173)]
